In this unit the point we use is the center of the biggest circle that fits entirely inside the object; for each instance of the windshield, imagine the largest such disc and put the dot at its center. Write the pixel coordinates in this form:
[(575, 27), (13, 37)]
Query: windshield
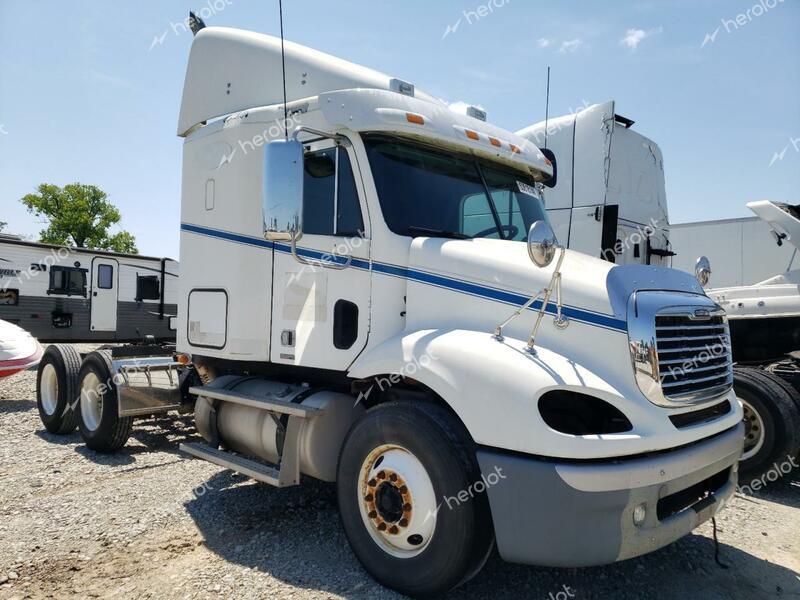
[(424, 191)]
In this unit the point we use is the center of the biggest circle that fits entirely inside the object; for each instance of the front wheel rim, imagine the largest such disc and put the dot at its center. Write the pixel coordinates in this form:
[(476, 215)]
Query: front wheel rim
[(91, 401), (754, 432), (48, 389), (397, 501)]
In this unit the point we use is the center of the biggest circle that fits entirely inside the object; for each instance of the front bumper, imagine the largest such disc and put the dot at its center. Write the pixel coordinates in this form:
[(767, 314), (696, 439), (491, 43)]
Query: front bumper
[(577, 514)]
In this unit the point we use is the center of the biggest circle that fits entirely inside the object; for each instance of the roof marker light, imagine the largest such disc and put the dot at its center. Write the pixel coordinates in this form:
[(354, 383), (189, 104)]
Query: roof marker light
[(495, 142), (515, 149), (472, 134), (414, 118)]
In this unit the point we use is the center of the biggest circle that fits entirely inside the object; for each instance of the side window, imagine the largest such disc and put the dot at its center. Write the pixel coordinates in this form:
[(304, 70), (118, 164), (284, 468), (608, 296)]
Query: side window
[(147, 288), (105, 277), (476, 216), (67, 281), (330, 199)]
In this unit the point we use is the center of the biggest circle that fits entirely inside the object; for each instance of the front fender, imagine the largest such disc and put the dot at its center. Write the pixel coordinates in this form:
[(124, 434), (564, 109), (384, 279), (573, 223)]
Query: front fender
[(494, 388)]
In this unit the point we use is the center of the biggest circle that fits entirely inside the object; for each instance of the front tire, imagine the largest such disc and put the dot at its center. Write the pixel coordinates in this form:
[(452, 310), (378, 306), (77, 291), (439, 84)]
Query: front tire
[(57, 388), (100, 425), (401, 471)]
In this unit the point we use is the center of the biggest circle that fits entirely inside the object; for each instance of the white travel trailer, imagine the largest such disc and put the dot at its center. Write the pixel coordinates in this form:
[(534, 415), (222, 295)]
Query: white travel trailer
[(77, 295), (376, 298), (609, 199)]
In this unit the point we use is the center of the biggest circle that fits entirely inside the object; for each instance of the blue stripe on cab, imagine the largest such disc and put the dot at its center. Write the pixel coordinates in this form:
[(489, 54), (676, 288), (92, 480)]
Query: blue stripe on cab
[(457, 285)]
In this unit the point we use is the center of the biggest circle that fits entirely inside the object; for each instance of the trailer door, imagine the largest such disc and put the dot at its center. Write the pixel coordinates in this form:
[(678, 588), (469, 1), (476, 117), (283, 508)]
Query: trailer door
[(105, 294)]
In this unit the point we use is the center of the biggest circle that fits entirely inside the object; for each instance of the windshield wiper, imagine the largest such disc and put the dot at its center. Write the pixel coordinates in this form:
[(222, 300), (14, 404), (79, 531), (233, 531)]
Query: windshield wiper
[(455, 235)]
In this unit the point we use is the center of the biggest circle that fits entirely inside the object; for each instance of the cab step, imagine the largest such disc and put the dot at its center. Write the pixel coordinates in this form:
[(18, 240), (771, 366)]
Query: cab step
[(252, 468)]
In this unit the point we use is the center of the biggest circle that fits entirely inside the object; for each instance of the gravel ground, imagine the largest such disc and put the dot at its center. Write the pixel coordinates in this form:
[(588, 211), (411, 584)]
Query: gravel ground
[(148, 522)]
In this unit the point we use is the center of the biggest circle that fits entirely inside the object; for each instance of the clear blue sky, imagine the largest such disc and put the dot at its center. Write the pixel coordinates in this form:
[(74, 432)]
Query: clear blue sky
[(84, 97)]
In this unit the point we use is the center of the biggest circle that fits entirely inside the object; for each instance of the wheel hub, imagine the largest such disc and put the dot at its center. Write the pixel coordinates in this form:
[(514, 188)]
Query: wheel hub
[(48, 389), (398, 503), (753, 431)]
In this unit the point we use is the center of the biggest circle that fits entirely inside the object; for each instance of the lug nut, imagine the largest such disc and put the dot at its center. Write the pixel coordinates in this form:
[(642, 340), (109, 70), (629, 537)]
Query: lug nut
[(406, 506), (368, 497), (372, 483), (381, 475), (393, 477), (403, 489), (382, 527), (372, 514), (403, 522), (393, 529)]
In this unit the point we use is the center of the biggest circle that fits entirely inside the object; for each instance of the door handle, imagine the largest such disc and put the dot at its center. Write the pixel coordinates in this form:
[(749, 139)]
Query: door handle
[(94, 293), (327, 264)]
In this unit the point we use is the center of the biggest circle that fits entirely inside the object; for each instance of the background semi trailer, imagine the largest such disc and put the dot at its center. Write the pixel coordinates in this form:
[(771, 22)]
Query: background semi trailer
[(374, 297)]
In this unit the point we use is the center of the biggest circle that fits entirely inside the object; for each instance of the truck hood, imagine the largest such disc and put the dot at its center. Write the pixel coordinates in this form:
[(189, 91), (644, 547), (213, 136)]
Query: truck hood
[(594, 291)]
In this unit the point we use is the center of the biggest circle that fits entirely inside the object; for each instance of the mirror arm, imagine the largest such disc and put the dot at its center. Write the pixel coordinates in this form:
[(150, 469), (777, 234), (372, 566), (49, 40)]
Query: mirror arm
[(498, 331), (318, 263), (555, 280), (339, 139)]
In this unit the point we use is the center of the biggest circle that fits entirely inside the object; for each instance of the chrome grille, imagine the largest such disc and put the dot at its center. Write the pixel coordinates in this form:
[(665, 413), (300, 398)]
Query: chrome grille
[(694, 356)]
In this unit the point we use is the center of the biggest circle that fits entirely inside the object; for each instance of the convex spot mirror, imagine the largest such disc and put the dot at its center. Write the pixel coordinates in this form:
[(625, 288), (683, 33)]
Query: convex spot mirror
[(542, 243), (282, 202)]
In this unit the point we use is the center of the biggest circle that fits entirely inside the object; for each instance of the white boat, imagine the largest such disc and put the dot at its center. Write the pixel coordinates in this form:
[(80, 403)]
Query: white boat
[(19, 350)]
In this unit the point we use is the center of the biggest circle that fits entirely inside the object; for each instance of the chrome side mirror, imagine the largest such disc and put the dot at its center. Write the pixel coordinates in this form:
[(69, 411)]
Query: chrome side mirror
[(542, 244), (702, 270), (282, 200)]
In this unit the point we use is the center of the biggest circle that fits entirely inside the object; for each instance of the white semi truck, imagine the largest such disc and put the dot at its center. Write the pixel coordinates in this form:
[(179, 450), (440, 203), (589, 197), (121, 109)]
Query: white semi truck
[(374, 297)]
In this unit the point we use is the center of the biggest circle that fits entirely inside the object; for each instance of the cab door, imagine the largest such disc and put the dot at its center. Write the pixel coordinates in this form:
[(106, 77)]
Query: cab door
[(105, 294), (321, 303)]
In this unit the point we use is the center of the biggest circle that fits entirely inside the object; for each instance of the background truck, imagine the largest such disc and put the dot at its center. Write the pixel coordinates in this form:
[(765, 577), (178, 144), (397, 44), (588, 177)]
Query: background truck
[(765, 335), (609, 199), (372, 295)]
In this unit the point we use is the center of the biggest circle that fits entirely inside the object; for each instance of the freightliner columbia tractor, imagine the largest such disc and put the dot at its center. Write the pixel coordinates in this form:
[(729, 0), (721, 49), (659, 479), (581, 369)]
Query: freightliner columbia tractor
[(372, 295)]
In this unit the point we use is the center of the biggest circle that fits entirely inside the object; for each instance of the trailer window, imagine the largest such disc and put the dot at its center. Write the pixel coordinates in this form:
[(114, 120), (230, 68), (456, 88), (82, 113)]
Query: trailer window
[(105, 277), (328, 190), (147, 288), (426, 190), (67, 281), (9, 297)]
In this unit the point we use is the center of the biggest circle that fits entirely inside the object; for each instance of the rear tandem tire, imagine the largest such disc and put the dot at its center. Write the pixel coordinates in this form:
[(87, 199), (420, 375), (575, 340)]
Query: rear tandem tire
[(399, 465), (57, 388), (772, 420), (100, 425)]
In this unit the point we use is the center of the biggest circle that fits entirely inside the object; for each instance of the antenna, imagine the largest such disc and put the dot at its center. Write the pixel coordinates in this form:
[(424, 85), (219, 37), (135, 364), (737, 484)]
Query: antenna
[(283, 69), (546, 106)]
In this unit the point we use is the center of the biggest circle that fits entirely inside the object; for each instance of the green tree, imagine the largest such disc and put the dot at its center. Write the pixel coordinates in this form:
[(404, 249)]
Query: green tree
[(79, 215), (3, 225)]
